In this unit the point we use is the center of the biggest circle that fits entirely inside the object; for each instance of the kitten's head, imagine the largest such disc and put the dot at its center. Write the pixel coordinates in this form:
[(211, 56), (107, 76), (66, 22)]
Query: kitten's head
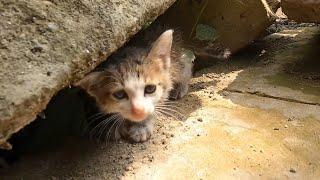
[(137, 84)]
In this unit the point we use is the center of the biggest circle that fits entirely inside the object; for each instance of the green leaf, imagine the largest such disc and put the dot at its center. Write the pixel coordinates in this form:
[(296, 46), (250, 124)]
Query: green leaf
[(205, 33)]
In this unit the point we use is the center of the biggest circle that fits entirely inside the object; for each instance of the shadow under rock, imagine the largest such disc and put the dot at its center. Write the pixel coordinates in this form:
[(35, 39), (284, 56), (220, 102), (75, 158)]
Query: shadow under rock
[(55, 145)]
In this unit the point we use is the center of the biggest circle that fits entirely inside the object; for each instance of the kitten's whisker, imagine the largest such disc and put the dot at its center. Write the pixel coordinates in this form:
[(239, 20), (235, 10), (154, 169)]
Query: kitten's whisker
[(169, 102), (168, 114), (95, 115), (104, 122), (102, 129), (172, 110), (99, 128), (117, 128), (111, 128), (105, 127), (170, 106), (177, 114), (108, 135), (98, 117), (110, 117)]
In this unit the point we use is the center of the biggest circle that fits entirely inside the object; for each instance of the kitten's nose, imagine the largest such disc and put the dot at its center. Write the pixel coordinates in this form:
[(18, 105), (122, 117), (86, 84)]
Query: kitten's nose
[(138, 111)]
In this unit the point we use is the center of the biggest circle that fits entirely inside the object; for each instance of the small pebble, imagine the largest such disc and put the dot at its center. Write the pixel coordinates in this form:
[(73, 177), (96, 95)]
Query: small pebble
[(129, 168), (150, 157), (145, 160), (276, 129), (130, 160), (200, 119), (52, 26), (290, 119), (87, 51), (163, 141), (143, 147), (36, 49), (293, 170)]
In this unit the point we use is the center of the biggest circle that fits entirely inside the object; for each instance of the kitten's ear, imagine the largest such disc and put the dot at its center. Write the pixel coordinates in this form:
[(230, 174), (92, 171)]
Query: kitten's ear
[(89, 81), (161, 48)]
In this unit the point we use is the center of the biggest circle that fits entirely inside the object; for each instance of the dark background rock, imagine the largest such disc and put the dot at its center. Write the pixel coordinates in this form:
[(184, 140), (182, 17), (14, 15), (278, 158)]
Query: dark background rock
[(302, 10), (214, 26)]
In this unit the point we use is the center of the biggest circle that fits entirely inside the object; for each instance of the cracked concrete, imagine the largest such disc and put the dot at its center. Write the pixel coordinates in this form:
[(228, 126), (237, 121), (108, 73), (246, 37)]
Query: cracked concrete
[(282, 80), (256, 116), (257, 93)]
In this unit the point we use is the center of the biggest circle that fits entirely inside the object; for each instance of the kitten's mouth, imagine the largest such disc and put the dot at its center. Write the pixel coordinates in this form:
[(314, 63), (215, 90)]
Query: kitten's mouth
[(136, 118)]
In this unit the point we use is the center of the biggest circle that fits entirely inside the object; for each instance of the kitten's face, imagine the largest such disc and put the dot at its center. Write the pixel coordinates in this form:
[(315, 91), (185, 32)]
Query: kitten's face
[(137, 95), (136, 86)]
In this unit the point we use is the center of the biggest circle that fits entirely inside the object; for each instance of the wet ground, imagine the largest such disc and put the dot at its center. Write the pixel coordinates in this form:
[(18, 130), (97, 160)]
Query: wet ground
[(255, 116)]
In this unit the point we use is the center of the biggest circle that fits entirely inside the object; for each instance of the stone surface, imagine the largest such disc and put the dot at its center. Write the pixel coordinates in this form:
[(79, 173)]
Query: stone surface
[(216, 28), (231, 131), (302, 10), (281, 74), (48, 45)]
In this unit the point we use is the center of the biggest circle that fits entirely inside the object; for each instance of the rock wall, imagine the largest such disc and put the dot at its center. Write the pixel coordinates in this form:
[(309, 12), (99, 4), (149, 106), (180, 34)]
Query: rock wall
[(48, 45), (215, 27), (302, 10)]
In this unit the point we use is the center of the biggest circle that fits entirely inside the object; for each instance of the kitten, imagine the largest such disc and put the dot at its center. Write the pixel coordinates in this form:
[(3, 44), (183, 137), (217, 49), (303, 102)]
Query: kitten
[(136, 81)]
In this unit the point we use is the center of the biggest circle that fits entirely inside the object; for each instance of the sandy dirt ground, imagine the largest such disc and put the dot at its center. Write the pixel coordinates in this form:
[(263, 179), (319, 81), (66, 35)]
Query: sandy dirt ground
[(254, 116)]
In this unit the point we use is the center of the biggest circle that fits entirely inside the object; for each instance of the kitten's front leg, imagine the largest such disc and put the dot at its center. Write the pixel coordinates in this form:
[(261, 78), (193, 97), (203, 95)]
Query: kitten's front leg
[(137, 132), (181, 83), (179, 91)]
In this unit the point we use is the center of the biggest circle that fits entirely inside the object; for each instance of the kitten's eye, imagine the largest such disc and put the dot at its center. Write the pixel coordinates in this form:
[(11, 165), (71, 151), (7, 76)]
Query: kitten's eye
[(121, 94), (149, 89)]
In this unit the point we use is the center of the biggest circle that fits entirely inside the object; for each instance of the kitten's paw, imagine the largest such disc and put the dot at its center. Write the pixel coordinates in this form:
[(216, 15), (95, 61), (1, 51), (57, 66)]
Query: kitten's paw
[(137, 132), (140, 133)]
